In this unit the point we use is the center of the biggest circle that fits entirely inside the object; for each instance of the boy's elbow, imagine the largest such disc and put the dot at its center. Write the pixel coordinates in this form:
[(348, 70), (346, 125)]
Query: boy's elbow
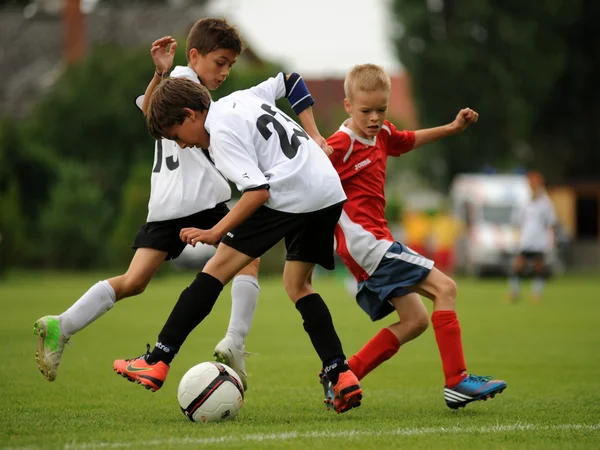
[(266, 194)]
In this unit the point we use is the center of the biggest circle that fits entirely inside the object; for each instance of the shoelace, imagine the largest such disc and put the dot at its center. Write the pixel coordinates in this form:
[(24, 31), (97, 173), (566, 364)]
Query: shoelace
[(480, 379), (144, 356)]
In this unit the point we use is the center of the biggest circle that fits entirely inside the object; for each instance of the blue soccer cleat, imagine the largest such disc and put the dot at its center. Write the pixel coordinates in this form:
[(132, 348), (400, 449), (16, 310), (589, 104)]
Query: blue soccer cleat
[(472, 389), (328, 394)]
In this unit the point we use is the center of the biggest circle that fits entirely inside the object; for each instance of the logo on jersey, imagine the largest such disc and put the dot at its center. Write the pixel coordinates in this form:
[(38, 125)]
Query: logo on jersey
[(362, 164), (245, 175), (230, 234)]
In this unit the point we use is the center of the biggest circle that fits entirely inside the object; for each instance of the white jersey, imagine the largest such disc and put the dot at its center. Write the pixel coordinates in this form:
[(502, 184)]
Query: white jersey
[(534, 221), (254, 144), (184, 181)]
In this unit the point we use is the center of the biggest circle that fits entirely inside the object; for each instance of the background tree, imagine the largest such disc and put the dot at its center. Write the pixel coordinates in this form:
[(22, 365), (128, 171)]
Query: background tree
[(528, 68)]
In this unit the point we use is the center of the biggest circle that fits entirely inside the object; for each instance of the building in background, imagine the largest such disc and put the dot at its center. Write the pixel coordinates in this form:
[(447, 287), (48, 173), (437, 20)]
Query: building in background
[(321, 40)]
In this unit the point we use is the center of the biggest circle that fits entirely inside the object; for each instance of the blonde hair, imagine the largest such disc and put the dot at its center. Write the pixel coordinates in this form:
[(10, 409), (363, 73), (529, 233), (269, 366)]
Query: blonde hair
[(366, 77)]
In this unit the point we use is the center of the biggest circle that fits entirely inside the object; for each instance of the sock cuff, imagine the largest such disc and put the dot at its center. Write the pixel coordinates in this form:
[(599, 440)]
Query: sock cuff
[(109, 289), (246, 278), (207, 278), (441, 318), (311, 303), (389, 337)]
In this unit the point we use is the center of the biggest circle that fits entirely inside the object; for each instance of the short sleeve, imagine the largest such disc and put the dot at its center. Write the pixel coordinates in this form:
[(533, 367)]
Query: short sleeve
[(399, 142), (550, 214), (340, 142), (235, 158), (271, 89)]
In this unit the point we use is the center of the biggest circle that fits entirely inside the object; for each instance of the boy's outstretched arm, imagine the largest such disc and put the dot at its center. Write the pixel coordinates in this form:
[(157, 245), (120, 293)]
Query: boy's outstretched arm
[(162, 55), (464, 119), (307, 119), (248, 203), (301, 102)]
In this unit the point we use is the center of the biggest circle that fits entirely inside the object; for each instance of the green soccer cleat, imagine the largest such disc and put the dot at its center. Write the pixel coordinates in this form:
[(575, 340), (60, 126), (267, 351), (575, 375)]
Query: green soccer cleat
[(51, 344)]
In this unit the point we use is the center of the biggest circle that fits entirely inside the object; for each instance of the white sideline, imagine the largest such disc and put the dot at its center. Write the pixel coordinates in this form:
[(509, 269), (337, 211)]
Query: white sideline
[(347, 434)]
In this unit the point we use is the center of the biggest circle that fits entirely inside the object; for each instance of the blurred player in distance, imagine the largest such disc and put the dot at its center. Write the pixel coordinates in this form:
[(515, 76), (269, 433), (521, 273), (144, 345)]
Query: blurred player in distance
[(389, 274), (186, 191), (538, 228), (290, 192)]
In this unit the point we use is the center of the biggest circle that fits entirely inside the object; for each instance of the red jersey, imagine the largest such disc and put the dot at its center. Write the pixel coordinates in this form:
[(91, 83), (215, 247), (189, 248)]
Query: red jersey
[(362, 235)]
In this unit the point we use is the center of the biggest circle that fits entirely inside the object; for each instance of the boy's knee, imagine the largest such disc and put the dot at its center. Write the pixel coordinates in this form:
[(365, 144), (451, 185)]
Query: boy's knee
[(447, 292), (133, 286), (296, 289), (421, 324)]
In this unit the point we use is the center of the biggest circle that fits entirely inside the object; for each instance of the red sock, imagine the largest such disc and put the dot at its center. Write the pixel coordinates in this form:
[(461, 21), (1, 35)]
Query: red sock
[(378, 350), (447, 335)]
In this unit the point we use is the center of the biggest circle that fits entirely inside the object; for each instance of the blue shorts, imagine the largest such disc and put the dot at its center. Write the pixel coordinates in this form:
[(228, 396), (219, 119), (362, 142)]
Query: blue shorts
[(399, 270)]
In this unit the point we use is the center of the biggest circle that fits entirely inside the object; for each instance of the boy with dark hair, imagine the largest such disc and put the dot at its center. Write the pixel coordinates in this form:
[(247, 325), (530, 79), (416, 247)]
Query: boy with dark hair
[(290, 191), (186, 191), (390, 275)]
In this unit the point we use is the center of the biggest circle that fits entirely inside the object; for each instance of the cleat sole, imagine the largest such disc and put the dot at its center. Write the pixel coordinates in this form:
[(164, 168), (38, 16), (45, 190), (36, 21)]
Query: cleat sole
[(39, 329), (480, 398)]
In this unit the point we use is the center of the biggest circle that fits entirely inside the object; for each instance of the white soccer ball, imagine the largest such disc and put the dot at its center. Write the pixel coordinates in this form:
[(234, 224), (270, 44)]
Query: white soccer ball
[(209, 392)]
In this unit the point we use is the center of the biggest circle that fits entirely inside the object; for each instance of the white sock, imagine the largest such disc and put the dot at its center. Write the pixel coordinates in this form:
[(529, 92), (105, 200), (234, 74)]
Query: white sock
[(538, 285), (95, 302), (514, 285), (244, 297)]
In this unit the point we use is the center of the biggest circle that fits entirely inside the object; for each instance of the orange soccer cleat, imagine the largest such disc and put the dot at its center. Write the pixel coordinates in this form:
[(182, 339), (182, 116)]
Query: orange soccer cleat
[(347, 391), (151, 376)]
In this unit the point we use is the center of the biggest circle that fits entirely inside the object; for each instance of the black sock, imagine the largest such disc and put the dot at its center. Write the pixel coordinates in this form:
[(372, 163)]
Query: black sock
[(194, 304), (319, 326)]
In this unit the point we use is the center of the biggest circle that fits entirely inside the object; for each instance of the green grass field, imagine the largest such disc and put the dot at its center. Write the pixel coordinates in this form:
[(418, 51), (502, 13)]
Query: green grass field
[(548, 353)]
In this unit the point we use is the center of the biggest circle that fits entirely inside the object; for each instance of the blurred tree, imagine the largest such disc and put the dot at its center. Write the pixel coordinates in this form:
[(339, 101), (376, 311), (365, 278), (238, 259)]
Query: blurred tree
[(134, 210), (73, 226), (524, 66), (12, 231)]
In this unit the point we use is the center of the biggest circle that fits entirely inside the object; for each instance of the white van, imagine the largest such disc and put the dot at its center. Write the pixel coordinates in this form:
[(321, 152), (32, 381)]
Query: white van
[(485, 204)]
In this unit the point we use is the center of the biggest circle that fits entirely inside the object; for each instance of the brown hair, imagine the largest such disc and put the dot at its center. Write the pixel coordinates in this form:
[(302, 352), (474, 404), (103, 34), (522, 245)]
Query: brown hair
[(366, 77), (535, 178), (168, 101), (210, 34)]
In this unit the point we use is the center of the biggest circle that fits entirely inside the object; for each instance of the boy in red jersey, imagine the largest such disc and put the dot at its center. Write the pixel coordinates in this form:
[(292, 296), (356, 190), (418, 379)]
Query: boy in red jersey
[(390, 275)]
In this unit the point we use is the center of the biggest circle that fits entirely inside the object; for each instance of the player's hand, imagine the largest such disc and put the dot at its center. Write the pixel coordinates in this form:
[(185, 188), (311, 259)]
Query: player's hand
[(323, 144), (163, 52), (194, 236), (464, 119)]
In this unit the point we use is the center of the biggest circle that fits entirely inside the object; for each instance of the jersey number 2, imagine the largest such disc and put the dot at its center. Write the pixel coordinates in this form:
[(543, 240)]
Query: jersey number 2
[(172, 163), (289, 147)]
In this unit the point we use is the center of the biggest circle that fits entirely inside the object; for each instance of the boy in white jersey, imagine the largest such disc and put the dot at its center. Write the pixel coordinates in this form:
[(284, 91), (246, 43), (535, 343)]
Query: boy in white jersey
[(537, 226), (187, 191), (290, 192), (390, 275)]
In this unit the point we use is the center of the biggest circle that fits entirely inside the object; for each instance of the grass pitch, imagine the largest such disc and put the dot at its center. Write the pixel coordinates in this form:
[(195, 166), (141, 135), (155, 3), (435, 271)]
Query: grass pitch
[(548, 354)]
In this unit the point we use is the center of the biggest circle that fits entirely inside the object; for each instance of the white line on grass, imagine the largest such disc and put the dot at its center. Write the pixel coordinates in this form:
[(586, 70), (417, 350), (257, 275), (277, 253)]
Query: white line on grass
[(347, 434)]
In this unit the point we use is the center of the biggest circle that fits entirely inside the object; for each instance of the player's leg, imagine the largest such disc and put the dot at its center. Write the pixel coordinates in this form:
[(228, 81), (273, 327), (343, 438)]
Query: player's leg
[(244, 297), (194, 304), (460, 387), (311, 242), (318, 324), (514, 281), (54, 331), (539, 268), (386, 343)]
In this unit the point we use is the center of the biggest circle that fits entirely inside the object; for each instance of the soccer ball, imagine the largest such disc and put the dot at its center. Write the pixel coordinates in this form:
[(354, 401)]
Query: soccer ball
[(210, 392)]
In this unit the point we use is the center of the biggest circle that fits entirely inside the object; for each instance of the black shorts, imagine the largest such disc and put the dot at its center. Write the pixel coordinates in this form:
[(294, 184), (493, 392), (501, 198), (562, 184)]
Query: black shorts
[(532, 256), (308, 236), (164, 235)]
